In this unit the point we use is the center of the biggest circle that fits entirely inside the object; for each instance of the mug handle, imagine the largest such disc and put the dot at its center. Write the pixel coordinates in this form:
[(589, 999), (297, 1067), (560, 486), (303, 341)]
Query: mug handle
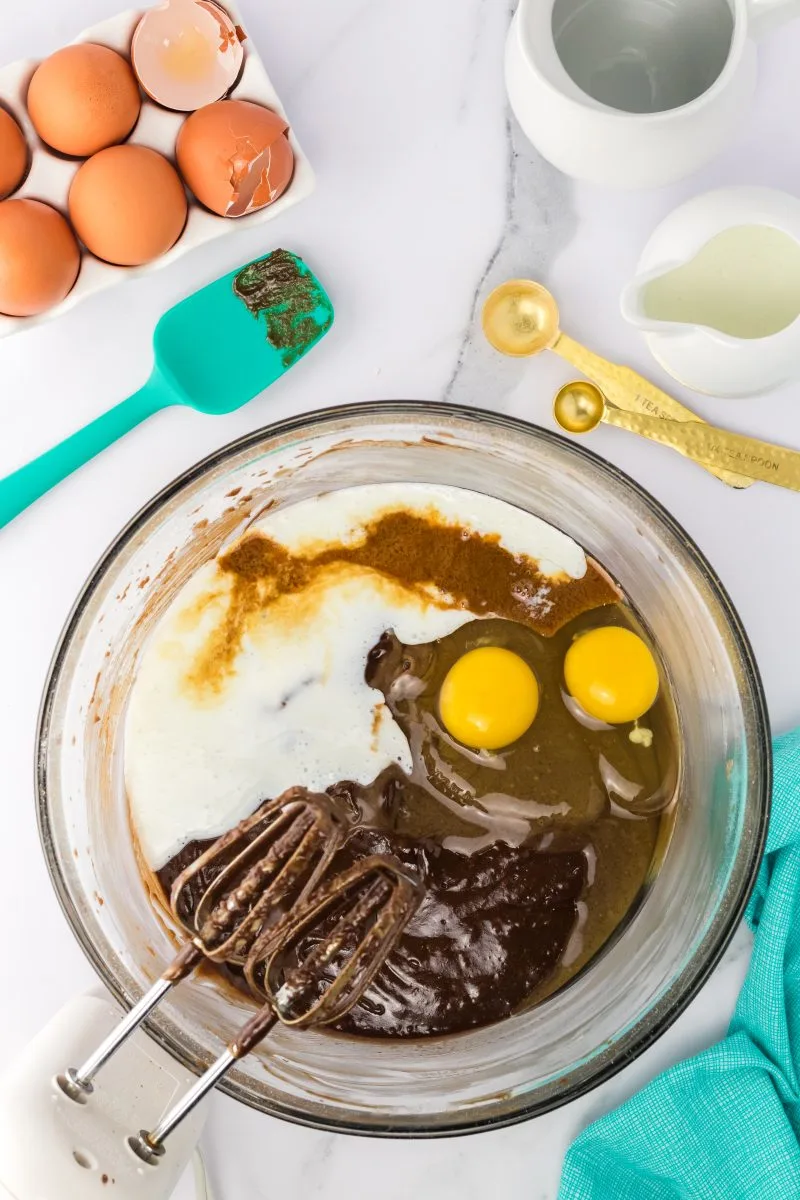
[(766, 15)]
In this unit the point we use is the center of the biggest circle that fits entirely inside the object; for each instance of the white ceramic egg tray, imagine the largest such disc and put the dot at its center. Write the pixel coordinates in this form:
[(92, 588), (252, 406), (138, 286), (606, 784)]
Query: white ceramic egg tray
[(50, 175)]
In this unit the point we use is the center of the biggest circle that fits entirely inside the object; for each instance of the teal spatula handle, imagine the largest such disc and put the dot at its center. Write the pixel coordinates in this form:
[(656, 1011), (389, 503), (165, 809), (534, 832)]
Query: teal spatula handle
[(23, 487)]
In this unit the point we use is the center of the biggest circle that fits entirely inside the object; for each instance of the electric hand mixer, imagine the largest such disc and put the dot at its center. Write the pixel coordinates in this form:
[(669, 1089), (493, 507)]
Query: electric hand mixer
[(261, 899)]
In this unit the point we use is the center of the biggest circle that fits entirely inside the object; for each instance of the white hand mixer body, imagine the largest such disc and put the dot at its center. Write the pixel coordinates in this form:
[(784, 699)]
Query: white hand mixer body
[(53, 1148)]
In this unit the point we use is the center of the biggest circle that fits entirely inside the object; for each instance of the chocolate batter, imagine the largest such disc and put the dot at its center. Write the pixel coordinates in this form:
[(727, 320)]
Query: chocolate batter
[(532, 857)]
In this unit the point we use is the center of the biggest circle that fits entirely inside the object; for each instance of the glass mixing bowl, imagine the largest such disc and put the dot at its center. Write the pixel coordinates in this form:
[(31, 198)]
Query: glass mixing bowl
[(642, 980)]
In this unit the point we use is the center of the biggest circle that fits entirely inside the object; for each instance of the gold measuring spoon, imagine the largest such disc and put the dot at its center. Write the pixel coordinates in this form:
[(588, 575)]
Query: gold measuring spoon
[(520, 318), (579, 407)]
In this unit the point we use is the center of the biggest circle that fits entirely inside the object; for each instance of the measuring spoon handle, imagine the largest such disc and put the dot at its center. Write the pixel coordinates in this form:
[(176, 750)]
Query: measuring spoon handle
[(633, 393), (710, 446)]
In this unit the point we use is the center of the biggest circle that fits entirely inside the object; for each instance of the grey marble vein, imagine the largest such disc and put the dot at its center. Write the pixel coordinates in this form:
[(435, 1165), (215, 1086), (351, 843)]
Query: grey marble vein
[(539, 221)]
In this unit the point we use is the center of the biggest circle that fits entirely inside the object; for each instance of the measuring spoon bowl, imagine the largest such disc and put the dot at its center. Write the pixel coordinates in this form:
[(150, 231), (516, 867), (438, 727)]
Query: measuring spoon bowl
[(520, 318), (579, 407)]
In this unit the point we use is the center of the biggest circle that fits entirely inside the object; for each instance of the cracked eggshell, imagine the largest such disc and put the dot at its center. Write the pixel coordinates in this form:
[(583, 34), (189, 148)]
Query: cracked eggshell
[(187, 53), (235, 156)]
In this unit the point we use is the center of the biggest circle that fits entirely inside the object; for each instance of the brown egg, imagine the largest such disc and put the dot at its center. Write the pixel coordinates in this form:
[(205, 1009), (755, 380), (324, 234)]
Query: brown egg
[(235, 156), (13, 154), (83, 98), (128, 205), (39, 257)]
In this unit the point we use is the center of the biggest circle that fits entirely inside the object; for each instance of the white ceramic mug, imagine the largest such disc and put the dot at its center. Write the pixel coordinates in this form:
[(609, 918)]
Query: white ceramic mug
[(635, 93)]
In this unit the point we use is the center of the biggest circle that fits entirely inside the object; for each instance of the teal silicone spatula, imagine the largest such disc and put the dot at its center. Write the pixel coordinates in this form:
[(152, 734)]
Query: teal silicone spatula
[(214, 351)]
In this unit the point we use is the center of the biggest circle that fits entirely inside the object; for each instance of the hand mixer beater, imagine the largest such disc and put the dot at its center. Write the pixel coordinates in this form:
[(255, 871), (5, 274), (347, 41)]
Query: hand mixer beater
[(263, 901)]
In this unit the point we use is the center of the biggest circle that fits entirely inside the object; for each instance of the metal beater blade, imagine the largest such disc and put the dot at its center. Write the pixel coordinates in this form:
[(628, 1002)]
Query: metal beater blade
[(238, 888), (312, 968)]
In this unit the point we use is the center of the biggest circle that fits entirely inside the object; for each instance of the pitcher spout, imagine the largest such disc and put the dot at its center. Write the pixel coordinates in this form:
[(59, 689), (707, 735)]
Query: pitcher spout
[(633, 302)]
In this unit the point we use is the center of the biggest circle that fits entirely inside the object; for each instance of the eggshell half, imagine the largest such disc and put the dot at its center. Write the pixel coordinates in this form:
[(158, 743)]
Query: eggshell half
[(39, 258), (186, 53), (235, 156), (128, 205)]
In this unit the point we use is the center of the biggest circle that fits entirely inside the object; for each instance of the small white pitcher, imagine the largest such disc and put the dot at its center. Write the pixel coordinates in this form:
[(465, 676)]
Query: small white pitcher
[(635, 93), (732, 326)]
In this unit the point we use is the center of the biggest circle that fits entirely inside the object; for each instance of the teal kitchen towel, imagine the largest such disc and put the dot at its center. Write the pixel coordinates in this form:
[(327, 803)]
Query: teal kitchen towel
[(726, 1124)]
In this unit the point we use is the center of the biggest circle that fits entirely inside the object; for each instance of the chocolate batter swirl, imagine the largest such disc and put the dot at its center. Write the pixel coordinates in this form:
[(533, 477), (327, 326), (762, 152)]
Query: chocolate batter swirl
[(490, 929), (532, 857)]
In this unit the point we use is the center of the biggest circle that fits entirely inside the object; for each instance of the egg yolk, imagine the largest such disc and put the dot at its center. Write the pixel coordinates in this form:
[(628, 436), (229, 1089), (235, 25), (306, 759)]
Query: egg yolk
[(489, 698), (612, 675)]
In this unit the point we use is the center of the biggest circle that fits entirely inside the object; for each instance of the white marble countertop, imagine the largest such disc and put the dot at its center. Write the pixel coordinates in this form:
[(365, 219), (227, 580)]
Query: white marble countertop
[(425, 194)]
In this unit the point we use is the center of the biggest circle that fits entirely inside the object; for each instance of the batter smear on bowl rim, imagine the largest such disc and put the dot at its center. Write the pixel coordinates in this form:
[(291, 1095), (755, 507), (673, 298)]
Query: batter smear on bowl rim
[(473, 692)]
